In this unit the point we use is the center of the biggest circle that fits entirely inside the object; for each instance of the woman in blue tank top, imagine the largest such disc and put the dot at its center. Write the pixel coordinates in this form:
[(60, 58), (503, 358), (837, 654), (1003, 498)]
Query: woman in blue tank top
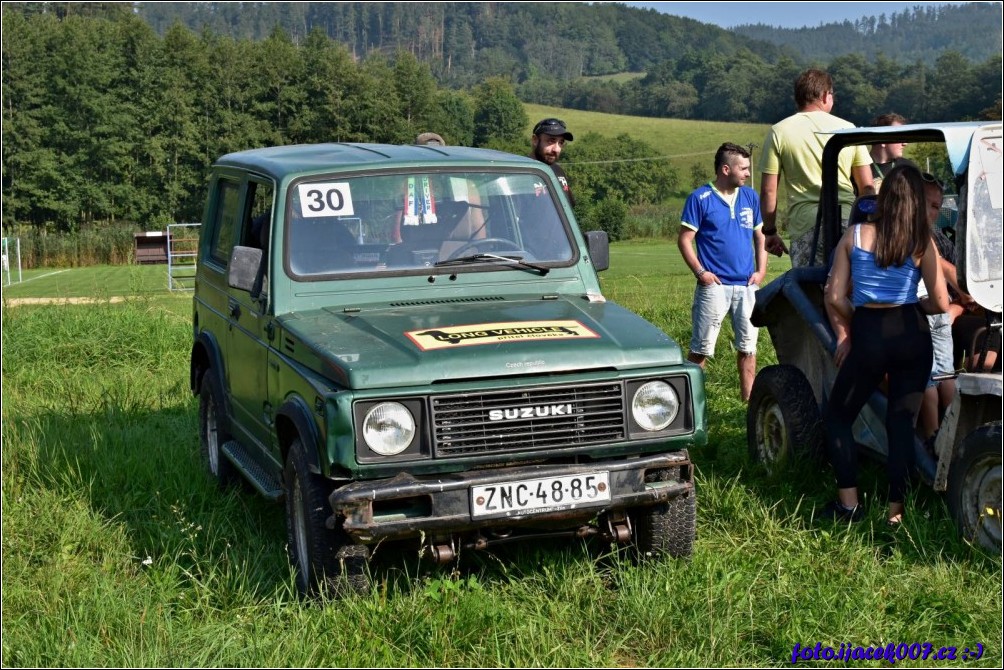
[(881, 329)]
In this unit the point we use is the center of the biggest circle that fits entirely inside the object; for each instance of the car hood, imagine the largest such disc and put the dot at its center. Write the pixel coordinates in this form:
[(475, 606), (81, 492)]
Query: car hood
[(415, 345)]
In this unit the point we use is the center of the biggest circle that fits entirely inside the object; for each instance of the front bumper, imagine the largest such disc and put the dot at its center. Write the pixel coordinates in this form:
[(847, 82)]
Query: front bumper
[(408, 506)]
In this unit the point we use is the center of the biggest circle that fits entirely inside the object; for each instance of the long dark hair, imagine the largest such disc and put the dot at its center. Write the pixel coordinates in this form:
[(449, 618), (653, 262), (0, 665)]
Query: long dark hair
[(901, 229)]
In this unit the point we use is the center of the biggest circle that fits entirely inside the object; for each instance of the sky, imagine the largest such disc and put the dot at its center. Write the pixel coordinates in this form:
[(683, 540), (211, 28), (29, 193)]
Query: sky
[(783, 14)]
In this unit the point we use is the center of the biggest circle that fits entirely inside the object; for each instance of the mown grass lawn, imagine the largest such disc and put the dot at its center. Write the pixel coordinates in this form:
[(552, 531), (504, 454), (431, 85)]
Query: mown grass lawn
[(118, 550), (98, 282)]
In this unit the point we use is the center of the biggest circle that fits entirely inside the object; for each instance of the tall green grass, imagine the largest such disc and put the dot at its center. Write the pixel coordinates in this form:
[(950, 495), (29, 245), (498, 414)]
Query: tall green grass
[(119, 551), (110, 244)]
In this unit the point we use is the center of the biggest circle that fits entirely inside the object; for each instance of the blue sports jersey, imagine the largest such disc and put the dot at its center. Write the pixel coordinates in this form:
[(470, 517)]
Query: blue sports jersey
[(724, 234)]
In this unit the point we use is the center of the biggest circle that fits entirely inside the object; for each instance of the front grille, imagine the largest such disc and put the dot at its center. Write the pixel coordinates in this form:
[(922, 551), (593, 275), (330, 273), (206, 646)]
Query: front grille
[(470, 424)]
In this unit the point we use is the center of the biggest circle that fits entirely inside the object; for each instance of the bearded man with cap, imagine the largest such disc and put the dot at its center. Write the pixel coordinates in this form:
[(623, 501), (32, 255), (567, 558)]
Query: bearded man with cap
[(549, 137)]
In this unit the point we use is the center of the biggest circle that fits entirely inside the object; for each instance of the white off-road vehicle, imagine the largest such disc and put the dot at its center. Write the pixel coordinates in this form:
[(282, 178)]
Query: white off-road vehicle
[(783, 418)]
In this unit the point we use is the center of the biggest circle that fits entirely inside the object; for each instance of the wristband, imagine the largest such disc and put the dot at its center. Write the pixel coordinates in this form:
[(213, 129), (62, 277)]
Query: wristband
[(772, 231), (700, 273)]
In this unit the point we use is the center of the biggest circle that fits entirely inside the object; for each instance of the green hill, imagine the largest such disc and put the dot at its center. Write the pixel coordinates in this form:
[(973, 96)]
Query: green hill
[(683, 143)]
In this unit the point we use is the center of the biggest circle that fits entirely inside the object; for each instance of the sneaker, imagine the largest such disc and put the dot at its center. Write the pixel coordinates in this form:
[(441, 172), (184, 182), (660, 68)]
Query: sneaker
[(836, 511)]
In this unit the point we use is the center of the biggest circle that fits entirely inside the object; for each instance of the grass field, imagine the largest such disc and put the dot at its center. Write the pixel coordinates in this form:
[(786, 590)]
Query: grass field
[(119, 551), (681, 142), (99, 282)]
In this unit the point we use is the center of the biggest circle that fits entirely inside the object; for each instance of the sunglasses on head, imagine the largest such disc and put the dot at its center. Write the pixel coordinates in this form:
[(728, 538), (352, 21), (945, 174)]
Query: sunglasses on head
[(931, 179)]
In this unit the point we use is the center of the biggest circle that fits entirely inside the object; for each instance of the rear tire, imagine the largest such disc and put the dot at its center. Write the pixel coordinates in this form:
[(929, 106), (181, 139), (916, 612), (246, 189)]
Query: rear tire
[(214, 432), (325, 561), (782, 418), (974, 487)]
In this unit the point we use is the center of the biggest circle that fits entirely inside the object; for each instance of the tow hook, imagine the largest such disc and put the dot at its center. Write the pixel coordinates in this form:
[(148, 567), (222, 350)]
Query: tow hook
[(618, 528), (443, 552)]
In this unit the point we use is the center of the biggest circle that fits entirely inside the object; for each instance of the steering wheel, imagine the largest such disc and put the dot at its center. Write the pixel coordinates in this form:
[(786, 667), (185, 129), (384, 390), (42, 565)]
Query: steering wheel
[(477, 244)]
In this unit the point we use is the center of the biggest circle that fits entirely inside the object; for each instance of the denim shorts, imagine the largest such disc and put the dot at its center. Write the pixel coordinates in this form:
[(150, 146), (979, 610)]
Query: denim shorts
[(711, 305), (941, 338)]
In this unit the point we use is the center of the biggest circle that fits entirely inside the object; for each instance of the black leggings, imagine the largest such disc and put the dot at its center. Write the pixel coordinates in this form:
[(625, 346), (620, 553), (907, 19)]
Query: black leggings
[(894, 341)]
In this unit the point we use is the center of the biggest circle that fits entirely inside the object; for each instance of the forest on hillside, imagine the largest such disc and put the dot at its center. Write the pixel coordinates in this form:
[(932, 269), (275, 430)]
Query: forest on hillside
[(927, 64), (574, 39), (107, 119), (919, 34), (104, 121)]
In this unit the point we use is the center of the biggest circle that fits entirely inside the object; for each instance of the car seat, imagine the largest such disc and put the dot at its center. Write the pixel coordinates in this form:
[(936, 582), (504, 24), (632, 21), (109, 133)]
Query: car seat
[(465, 224)]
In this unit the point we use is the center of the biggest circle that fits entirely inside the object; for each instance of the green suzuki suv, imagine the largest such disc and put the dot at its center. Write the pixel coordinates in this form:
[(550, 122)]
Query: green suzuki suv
[(410, 344)]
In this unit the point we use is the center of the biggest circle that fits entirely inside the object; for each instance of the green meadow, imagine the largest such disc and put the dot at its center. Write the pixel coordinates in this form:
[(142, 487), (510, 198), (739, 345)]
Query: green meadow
[(118, 551), (683, 143), (688, 146)]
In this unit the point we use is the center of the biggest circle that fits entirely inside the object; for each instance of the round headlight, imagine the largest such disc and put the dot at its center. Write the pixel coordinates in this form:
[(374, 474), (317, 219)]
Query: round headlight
[(388, 428), (655, 405)]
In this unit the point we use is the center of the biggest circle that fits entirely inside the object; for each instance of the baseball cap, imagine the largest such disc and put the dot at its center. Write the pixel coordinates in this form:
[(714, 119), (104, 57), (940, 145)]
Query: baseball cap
[(554, 127), (430, 138)]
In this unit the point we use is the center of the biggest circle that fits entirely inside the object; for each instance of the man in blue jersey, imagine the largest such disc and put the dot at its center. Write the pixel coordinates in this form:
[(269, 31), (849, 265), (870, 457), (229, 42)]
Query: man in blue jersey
[(723, 217)]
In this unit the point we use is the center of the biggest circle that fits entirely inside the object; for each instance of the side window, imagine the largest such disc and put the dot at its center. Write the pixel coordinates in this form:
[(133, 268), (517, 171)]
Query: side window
[(225, 221), (257, 225), (255, 229)]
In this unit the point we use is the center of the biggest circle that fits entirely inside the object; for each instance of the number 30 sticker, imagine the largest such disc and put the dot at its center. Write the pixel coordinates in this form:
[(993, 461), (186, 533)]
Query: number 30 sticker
[(334, 199)]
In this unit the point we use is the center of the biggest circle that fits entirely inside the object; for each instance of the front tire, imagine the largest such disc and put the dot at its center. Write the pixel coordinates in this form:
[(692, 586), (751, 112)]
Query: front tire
[(974, 487), (325, 561), (669, 528), (214, 432), (782, 418)]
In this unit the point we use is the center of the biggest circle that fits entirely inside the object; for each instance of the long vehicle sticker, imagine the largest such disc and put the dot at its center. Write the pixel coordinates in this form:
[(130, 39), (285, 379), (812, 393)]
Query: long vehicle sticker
[(494, 333)]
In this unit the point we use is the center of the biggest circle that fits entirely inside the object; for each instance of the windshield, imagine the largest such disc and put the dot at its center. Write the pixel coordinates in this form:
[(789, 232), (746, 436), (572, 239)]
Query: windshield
[(984, 249), (409, 222)]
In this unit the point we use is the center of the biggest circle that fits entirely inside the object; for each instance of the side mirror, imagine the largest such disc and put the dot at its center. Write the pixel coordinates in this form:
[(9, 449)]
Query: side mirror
[(243, 269), (598, 244)]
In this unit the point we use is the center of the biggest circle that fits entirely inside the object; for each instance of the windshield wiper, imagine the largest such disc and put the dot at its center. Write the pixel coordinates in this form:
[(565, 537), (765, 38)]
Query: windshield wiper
[(493, 258)]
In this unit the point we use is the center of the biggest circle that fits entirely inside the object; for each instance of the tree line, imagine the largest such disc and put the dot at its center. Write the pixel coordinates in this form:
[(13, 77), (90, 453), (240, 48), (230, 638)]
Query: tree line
[(107, 120), (715, 87), (104, 121)]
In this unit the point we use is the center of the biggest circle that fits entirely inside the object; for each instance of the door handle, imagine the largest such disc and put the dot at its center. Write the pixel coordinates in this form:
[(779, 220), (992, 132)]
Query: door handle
[(235, 309)]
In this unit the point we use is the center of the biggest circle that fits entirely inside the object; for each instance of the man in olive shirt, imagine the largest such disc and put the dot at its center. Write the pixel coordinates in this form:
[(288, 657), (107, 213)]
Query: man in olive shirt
[(794, 148)]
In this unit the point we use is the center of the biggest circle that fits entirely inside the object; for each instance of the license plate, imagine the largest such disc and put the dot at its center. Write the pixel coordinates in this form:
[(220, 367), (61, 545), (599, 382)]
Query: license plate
[(535, 496)]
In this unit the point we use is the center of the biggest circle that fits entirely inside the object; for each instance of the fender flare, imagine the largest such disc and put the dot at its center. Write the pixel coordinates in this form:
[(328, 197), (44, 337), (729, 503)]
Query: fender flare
[(206, 355), (206, 358), (298, 413)]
